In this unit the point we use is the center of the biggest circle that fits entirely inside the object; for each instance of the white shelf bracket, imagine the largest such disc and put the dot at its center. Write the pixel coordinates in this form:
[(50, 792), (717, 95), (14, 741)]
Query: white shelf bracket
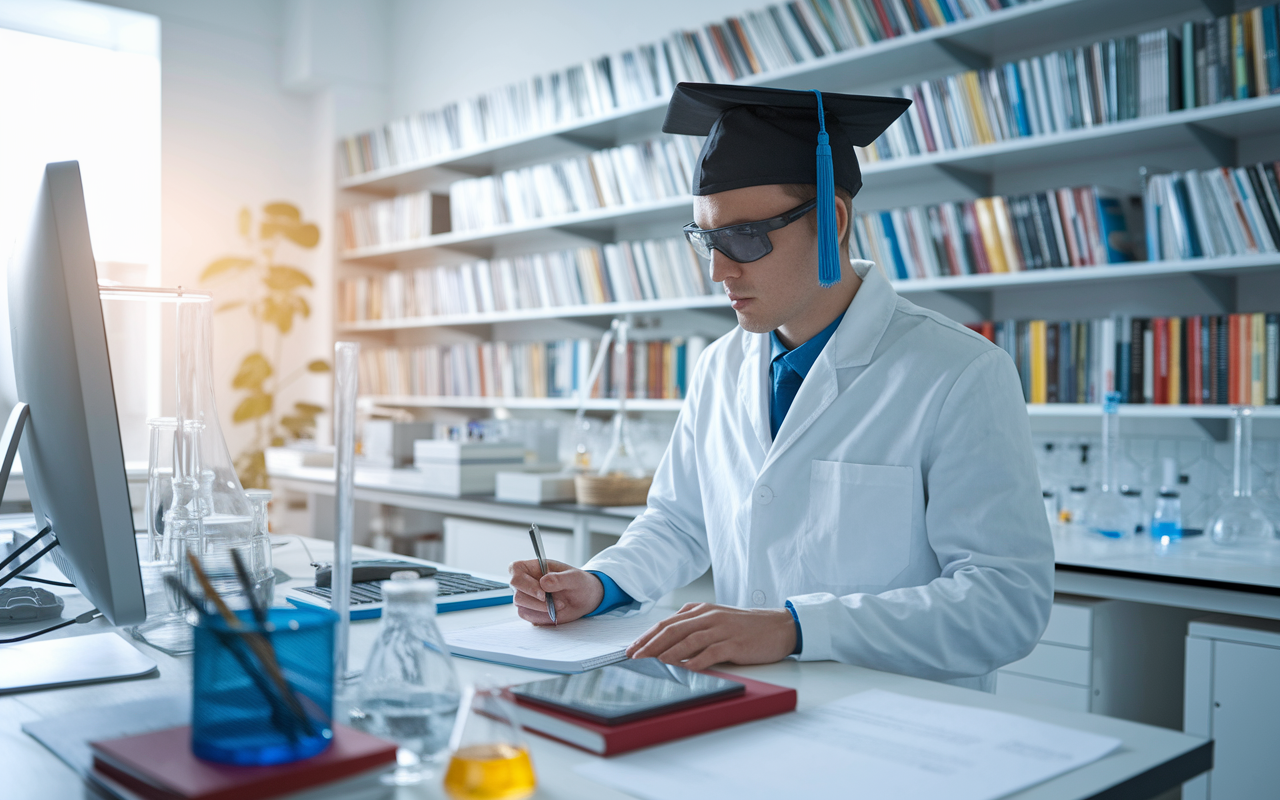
[(977, 182), (1221, 148), (1222, 288), (976, 299), (965, 56), (1216, 428), (585, 142)]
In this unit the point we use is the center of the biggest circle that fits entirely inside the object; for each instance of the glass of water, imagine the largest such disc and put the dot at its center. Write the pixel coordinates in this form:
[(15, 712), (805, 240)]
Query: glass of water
[(409, 692)]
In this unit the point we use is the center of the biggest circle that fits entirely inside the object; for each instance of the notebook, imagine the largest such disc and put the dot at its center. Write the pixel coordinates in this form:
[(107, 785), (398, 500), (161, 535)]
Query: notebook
[(577, 646)]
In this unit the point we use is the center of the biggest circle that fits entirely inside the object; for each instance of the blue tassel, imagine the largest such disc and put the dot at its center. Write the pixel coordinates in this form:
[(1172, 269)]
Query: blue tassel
[(828, 243)]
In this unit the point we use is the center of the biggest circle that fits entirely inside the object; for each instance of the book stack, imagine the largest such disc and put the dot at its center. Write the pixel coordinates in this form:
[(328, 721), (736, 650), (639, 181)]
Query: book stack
[(643, 172), (1097, 84), (1213, 212), (1226, 359), (556, 369), (1231, 57), (1077, 227), (757, 42), (654, 269), (404, 218)]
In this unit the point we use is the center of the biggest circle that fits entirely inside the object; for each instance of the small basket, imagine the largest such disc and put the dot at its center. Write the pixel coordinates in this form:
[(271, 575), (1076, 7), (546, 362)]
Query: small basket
[(614, 489)]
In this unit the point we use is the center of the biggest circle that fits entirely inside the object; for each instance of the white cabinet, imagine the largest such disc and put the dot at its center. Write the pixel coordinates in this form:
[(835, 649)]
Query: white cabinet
[(1109, 657), (1233, 696), (488, 547)]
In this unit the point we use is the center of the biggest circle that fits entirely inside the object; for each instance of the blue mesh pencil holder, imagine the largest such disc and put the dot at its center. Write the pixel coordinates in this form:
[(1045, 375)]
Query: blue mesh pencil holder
[(240, 711)]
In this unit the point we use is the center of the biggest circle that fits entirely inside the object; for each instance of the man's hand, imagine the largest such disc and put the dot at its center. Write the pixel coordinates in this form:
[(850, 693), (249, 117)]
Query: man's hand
[(577, 593), (703, 634)]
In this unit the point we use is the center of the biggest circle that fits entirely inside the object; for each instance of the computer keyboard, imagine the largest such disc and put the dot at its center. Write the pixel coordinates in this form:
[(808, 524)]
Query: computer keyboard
[(450, 583)]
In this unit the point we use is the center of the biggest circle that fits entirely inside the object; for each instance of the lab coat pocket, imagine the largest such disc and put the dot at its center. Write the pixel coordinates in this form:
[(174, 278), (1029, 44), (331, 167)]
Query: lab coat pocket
[(859, 523)]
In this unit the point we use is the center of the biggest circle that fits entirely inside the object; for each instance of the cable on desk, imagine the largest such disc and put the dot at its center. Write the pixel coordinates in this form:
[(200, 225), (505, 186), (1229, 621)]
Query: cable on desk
[(46, 530), (88, 616), (44, 580)]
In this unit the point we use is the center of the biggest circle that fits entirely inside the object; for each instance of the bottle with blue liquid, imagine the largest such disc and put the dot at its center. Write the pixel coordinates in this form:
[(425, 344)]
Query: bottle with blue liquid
[(1108, 514), (1166, 521)]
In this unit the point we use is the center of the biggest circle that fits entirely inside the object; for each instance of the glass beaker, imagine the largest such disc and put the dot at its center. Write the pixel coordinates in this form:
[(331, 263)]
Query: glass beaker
[(1108, 514), (490, 759), (259, 547), (1240, 520), (409, 692), (166, 627)]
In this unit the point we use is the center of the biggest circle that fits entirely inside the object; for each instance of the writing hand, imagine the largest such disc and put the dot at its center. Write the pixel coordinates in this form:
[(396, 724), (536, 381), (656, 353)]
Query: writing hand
[(703, 634), (577, 593)]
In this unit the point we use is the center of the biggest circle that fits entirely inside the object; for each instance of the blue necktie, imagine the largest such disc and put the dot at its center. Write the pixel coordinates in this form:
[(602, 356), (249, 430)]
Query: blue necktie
[(786, 382)]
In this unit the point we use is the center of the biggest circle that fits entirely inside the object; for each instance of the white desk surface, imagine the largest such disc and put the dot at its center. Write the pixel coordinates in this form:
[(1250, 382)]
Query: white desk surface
[(1150, 761)]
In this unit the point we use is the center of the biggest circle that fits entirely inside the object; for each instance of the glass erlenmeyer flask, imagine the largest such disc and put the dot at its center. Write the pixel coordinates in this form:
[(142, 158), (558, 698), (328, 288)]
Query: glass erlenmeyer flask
[(408, 692), (1240, 521), (490, 758), (1108, 514)]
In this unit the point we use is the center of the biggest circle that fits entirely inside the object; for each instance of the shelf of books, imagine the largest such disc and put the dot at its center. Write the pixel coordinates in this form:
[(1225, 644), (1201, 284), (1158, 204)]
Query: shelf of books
[(807, 45), (1148, 411)]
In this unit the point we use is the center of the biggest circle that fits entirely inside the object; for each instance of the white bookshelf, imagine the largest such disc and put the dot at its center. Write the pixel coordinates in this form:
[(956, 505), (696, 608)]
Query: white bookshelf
[(1037, 27), (963, 45)]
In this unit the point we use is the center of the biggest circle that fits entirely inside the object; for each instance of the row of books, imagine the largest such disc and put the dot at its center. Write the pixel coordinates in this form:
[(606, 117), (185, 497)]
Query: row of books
[(1231, 57), (773, 38), (1078, 227), (1106, 82), (1213, 212), (403, 218), (557, 369), (643, 172), (654, 269), (1225, 359)]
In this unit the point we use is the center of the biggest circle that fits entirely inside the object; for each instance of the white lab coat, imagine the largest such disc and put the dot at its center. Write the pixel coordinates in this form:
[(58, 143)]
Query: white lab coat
[(899, 509)]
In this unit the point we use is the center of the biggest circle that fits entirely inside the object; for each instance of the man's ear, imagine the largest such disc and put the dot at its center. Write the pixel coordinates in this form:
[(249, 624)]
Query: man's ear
[(843, 218)]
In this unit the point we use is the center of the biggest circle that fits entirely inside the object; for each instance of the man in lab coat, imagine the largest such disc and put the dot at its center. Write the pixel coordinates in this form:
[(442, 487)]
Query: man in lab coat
[(856, 470)]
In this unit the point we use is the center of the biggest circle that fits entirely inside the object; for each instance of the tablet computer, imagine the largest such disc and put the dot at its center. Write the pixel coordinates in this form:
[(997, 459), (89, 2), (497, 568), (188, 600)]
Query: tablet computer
[(627, 691)]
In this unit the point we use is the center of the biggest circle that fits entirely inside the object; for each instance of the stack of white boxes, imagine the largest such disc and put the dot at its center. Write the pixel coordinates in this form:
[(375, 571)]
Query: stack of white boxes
[(458, 468)]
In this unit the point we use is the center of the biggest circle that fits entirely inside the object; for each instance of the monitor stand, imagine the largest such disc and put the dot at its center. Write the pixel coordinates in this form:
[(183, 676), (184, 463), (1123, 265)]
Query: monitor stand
[(67, 660)]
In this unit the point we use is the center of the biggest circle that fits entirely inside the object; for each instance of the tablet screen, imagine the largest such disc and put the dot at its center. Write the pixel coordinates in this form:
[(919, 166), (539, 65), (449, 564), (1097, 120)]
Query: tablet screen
[(627, 691)]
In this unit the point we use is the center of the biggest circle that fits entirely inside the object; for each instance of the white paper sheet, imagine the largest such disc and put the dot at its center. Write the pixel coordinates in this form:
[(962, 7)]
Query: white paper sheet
[(871, 745), (571, 647)]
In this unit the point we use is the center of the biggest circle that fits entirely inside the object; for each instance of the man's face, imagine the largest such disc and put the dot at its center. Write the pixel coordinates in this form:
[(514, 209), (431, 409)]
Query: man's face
[(779, 288)]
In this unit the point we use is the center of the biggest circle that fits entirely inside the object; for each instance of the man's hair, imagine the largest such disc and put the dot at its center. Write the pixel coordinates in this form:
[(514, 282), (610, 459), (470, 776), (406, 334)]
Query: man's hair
[(803, 192)]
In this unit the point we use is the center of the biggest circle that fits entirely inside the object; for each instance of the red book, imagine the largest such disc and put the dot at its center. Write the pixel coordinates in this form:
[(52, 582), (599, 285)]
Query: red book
[(1195, 380), (760, 700), (1160, 337), (160, 766), (1233, 359)]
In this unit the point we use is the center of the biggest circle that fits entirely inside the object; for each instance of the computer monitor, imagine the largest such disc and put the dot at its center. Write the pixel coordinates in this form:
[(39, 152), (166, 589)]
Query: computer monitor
[(72, 459)]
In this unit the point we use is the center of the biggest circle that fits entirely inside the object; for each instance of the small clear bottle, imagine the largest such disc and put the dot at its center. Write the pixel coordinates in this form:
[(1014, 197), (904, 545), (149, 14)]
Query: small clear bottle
[(1166, 521), (409, 692)]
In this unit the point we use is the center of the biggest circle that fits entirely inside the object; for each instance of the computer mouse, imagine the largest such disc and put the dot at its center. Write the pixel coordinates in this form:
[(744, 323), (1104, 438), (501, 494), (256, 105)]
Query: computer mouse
[(27, 604), (375, 570)]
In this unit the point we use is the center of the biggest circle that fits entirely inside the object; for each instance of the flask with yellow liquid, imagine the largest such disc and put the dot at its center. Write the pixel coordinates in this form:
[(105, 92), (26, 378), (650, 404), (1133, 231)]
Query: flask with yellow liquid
[(490, 759)]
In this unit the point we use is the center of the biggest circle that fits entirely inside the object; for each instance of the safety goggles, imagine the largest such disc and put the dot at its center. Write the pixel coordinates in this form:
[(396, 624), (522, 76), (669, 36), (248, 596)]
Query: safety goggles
[(747, 241)]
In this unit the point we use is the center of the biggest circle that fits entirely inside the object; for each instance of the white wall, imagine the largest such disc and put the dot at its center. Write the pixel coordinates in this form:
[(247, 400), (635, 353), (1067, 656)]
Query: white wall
[(445, 51), (231, 136)]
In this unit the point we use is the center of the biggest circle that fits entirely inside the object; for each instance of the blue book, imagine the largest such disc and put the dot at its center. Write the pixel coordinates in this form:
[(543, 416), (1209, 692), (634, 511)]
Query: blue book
[(1016, 98), (1190, 237), (682, 380), (1271, 40), (899, 264), (1124, 350)]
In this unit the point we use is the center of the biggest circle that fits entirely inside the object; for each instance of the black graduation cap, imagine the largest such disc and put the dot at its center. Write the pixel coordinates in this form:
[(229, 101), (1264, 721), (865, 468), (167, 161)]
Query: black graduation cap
[(759, 135)]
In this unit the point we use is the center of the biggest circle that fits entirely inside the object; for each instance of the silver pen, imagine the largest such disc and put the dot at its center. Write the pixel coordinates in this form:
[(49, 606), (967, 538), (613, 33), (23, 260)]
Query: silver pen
[(542, 564)]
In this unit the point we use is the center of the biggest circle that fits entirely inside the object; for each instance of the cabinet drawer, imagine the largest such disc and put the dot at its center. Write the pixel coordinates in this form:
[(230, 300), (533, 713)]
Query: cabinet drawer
[(1054, 662), (1070, 623), (1045, 693)]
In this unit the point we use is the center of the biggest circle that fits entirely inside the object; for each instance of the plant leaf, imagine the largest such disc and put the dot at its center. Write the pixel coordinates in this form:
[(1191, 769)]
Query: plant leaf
[(284, 279), (282, 209), (225, 265), (227, 306), (319, 365), (304, 235), (246, 220), (297, 425), (251, 468), (277, 441), (253, 407), (279, 314), (308, 409), (254, 369)]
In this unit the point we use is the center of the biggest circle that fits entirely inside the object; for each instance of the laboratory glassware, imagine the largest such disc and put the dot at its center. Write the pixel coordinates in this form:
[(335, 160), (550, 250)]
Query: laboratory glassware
[(1240, 521)]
